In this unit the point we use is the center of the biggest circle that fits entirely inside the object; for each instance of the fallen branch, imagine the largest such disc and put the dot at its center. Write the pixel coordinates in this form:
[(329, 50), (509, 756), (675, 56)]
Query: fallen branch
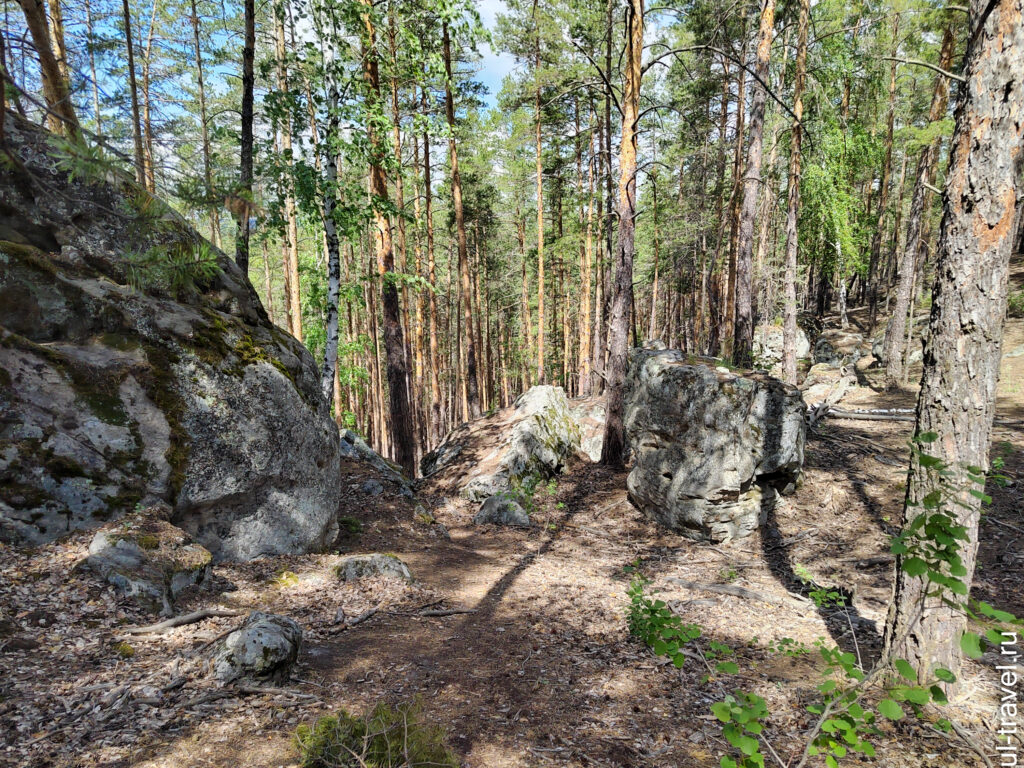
[(357, 620), (446, 611), (180, 621)]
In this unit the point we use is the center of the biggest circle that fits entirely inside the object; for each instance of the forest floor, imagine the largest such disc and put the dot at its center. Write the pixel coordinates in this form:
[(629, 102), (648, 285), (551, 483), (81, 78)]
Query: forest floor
[(543, 672)]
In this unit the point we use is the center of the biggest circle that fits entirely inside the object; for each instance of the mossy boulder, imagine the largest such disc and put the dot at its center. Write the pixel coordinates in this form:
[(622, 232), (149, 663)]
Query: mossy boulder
[(539, 434), (264, 648), (137, 365), (376, 565), (147, 558)]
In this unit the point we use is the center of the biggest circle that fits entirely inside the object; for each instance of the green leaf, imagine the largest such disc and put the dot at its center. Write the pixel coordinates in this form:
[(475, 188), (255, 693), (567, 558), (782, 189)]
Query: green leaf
[(831, 762), (926, 437), (722, 711), (945, 675), (890, 709), (727, 667), (938, 695), (906, 671), (915, 566), (747, 745), (917, 696), (970, 644), (727, 762)]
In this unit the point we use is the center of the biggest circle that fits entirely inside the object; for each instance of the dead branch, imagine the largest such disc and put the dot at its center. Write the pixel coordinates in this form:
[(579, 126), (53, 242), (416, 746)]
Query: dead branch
[(727, 589), (180, 621)]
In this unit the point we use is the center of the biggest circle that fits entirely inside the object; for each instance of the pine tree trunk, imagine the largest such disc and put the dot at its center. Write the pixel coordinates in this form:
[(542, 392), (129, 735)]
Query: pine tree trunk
[(472, 392), (291, 216), (585, 383), (743, 337), (540, 208), (147, 123), (614, 443), (204, 128), (245, 164), (402, 430), (91, 42), (793, 208), (915, 222), (140, 165), (438, 420), (56, 91), (962, 348)]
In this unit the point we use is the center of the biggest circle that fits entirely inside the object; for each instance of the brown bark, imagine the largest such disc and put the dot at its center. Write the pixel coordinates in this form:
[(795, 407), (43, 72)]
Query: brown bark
[(437, 409), (245, 162), (793, 208), (147, 123), (614, 443), (743, 336), (540, 208), (402, 437), (55, 86), (915, 223), (962, 348), (586, 253), (204, 128), (291, 246)]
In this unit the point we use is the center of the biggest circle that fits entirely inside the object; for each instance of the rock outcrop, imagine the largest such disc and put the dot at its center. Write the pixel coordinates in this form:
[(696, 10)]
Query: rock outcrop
[(533, 440), (838, 347), (264, 648), (710, 449), (376, 565), (501, 510), (767, 347), (147, 558), (138, 365)]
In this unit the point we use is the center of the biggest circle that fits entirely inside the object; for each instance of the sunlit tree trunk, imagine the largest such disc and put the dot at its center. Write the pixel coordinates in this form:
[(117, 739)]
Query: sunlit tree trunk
[(147, 123), (614, 443), (793, 208), (55, 87), (291, 246), (962, 348), (204, 128), (245, 163), (437, 408), (540, 205)]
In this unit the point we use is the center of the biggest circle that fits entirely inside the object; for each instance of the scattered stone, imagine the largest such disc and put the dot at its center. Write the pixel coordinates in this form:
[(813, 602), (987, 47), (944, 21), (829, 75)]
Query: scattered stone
[(355, 567), (710, 450), (502, 510), (148, 559), (265, 647), (541, 435), (838, 347), (372, 487)]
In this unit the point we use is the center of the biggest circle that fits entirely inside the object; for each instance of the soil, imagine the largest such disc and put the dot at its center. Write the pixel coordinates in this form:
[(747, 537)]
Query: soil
[(543, 671)]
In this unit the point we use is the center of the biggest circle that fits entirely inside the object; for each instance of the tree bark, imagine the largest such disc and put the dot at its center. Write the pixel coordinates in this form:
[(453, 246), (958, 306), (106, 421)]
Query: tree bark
[(291, 247), (743, 338), (402, 434), (540, 204), (962, 349), (915, 222), (437, 427), (245, 161), (204, 128), (472, 392), (55, 88), (793, 208), (614, 443)]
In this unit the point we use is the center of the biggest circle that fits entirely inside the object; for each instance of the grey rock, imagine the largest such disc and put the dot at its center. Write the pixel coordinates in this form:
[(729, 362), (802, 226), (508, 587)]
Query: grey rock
[(590, 416), (502, 510), (767, 347), (114, 395), (355, 567), (709, 449), (148, 559), (838, 347), (540, 437), (1017, 351), (372, 487), (264, 648)]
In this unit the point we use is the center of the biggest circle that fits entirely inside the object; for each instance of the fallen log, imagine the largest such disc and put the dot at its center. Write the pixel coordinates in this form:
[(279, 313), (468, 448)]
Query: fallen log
[(180, 621)]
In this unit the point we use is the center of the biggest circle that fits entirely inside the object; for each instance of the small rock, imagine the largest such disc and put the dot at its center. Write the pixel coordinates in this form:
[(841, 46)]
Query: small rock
[(372, 487), (1017, 351), (502, 510), (355, 567), (148, 559), (265, 647)]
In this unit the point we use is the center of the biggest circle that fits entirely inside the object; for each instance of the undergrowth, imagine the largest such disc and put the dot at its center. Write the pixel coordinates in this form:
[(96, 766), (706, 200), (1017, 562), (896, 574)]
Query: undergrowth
[(386, 738)]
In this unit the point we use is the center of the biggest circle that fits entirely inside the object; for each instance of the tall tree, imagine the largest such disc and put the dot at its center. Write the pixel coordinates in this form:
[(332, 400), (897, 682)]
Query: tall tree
[(402, 439), (55, 86), (962, 349), (470, 379), (793, 206), (614, 443), (743, 339), (245, 160)]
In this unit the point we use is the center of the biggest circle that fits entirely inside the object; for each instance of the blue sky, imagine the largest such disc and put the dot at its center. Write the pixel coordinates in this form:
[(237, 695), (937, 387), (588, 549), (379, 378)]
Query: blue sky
[(494, 66)]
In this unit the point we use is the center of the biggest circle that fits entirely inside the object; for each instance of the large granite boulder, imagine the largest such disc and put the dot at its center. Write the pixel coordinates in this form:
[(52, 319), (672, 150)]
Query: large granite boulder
[(138, 365), (502, 510), (531, 441), (147, 558), (710, 448), (767, 347), (264, 648), (375, 565)]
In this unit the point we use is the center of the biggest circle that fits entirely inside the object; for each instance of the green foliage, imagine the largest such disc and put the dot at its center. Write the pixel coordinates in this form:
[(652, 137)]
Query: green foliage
[(656, 625), (386, 738), (177, 269), (1015, 304)]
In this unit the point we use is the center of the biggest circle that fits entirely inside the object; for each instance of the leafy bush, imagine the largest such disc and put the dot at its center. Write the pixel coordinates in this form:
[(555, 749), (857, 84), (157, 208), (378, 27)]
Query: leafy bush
[(386, 738), (1015, 304)]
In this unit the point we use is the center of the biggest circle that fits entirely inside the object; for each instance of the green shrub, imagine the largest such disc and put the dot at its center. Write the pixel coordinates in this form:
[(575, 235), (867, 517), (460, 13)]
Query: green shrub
[(1015, 304), (387, 738)]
